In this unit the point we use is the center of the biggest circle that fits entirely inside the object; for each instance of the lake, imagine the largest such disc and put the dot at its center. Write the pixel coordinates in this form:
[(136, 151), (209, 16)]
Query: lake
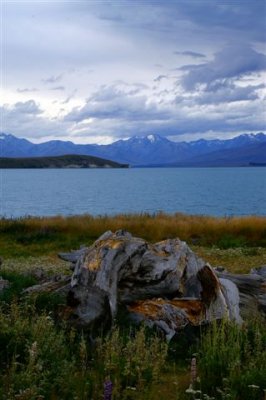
[(212, 191)]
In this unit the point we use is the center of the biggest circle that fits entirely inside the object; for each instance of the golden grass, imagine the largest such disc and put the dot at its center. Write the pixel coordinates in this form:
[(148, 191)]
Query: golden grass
[(214, 238), (151, 227), (50, 265)]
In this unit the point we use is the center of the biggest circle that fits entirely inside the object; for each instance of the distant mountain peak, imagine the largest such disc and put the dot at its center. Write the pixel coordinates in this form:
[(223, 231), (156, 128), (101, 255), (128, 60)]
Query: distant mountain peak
[(156, 138), (151, 138), (4, 135)]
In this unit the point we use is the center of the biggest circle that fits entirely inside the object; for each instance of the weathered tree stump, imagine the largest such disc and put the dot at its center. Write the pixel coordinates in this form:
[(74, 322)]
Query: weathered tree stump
[(165, 285)]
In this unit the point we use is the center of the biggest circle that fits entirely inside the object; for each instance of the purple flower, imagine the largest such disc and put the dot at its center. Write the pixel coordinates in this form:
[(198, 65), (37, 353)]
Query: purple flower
[(108, 389)]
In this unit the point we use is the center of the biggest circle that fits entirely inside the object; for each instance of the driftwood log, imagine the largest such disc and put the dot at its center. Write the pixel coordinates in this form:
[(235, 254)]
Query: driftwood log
[(164, 285)]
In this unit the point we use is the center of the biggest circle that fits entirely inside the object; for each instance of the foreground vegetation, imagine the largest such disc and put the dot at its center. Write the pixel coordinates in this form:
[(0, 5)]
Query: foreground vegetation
[(43, 358)]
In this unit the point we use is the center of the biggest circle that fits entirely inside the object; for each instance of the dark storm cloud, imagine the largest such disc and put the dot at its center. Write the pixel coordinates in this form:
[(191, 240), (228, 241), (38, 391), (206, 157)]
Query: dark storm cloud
[(225, 92), (222, 16), (219, 17), (233, 61)]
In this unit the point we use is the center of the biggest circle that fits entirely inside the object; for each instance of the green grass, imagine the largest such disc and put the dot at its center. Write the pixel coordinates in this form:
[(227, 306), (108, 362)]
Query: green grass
[(232, 360), (41, 358), (236, 260), (18, 282)]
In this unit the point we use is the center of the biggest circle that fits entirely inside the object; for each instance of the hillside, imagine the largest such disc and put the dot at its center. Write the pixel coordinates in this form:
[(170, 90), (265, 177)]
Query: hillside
[(66, 161), (253, 155)]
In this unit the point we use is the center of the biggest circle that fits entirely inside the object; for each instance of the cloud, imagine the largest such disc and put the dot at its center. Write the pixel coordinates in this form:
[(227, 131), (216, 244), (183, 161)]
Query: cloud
[(118, 113), (233, 61), (222, 17), (192, 54), (229, 93), (125, 42), (110, 102), (27, 90), (27, 107), (53, 79), (159, 78), (58, 88), (26, 119), (70, 97), (221, 92)]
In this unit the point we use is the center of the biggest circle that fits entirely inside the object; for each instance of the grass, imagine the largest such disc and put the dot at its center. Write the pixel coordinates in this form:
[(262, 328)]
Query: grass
[(41, 358), (18, 282), (236, 260), (232, 361), (43, 236)]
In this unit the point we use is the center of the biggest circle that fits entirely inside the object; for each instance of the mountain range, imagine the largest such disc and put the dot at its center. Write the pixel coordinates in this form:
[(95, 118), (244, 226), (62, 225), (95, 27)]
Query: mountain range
[(151, 150)]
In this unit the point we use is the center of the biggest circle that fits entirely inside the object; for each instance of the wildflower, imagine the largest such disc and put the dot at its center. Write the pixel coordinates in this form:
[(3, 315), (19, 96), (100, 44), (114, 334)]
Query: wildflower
[(253, 386), (108, 389), (193, 370), (33, 351), (190, 390)]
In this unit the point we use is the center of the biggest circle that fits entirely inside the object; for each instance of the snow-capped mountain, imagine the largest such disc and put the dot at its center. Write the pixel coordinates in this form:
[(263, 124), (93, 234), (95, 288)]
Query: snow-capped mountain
[(146, 150)]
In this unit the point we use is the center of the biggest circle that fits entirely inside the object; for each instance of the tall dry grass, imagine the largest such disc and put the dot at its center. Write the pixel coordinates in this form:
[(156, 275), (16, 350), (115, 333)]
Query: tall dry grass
[(155, 227)]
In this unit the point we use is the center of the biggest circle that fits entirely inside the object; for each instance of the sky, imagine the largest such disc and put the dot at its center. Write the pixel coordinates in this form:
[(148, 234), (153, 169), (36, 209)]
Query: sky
[(98, 71)]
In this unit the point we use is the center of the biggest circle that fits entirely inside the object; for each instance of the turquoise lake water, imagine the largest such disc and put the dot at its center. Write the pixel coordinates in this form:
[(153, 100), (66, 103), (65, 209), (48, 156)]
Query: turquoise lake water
[(212, 191)]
